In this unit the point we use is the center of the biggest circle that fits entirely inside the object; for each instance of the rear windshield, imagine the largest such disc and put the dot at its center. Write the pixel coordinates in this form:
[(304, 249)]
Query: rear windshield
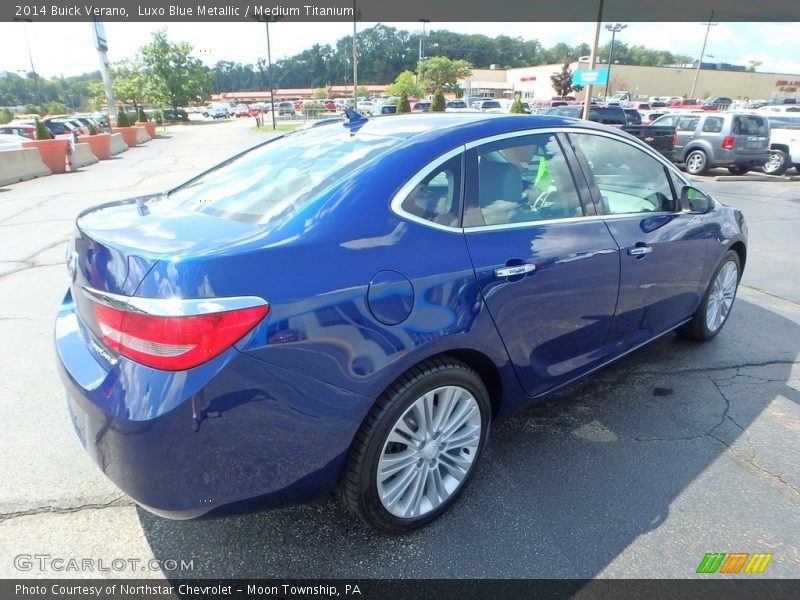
[(750, 125), (276, 180), (491, 105)]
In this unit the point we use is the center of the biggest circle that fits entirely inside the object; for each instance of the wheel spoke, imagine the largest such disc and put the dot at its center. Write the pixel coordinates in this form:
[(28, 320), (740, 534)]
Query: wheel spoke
[(464, 437), (403, 434), (396, 489), (447, 401), (460, 416), (391, 464), (457, 464), (416, 494)]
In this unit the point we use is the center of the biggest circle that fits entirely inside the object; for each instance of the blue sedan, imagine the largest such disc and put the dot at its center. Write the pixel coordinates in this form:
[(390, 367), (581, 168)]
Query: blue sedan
[(349, 307)]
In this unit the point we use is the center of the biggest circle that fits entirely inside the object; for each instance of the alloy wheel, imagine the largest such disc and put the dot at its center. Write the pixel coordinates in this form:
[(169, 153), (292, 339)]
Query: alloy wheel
[(721, 297)]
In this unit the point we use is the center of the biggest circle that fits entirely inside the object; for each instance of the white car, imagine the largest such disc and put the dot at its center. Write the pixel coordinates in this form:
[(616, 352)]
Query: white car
[(10, 141), (784, 143), (490, 106)]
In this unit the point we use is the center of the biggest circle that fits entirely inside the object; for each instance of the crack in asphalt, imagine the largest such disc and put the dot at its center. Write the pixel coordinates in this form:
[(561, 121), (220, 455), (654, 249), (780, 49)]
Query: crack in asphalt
[(29, 262), (118, 502)]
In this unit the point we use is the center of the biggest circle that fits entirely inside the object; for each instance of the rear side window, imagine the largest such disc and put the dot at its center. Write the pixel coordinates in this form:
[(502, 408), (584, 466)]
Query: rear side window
[(436, 197), (275, 181), (750, 125), (713, 124)]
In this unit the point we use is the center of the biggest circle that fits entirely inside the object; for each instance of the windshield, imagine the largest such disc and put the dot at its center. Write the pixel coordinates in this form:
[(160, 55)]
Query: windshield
[(276, 180)]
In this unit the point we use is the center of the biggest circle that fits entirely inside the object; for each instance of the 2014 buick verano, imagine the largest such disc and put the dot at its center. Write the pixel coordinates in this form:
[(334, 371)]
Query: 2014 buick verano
[(351, 306)]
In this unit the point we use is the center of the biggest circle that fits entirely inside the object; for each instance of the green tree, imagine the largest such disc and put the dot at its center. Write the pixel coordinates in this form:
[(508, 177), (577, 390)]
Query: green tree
[(41, 131), (442, 72), (402, 105), (516, 106), (129, 82), (562, 81), (5, 116), (362, 92), (438, 103), (320, 93), (406, 83), (174, 77)]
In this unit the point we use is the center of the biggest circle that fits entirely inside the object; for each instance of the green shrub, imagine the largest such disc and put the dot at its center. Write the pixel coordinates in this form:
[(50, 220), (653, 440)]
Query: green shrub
[(122, 119), (402, 105), (142, 118), (516, 107), (41, 131), (5, 116), (92, 129), (438, 104)]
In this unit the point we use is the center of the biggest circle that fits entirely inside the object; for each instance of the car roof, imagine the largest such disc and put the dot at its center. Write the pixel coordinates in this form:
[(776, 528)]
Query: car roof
[(461, 127)]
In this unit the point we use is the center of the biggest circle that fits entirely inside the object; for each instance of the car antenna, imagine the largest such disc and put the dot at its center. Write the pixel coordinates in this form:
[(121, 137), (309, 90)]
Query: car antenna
[(355, 120)]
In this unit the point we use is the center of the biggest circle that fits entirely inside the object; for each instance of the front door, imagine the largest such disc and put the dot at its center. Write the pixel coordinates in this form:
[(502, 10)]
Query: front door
[(548, 274)]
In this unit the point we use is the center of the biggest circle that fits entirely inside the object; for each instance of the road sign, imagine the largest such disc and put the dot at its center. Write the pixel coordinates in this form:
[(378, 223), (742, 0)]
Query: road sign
[(594, 77)]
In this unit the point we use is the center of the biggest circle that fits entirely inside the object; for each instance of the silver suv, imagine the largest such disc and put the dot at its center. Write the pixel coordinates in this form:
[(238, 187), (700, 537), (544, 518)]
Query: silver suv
[(739, 141)]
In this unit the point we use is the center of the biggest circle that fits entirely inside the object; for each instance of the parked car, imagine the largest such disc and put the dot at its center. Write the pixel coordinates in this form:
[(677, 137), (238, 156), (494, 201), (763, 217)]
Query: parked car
[(205, 365), (218, 111), (488, 106), (683, 103), (61, 127), (455, 105), (242, 110), (784, 143), (632, 116), (286, 109), (716, 103), (607, 115), (421, 107), (11, 141), (739, 141), (27, 131)]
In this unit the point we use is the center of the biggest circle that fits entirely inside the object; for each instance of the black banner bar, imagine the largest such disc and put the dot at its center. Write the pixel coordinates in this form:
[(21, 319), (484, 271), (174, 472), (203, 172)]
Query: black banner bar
[(709, 588), (532, 11)]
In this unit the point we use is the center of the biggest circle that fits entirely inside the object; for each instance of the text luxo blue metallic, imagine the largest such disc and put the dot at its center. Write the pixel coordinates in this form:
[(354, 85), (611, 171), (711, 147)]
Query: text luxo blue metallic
[(350, 306)]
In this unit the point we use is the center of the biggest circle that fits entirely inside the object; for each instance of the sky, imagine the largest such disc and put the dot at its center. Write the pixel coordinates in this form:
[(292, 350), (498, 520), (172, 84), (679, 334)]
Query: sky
[(67, 49)]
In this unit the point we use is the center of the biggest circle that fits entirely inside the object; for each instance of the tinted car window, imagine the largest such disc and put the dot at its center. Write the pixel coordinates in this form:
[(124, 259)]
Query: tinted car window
[(524, 179), (784, 122), (275, 181), (436, 197), (713, 124), (750, 125), (630, 180), (666, 121)]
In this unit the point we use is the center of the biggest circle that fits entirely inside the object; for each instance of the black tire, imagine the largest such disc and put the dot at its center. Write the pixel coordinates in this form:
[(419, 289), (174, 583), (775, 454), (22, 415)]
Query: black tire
[(358, 486), (698, 328), (696, 162), (777, 164), (738, 170), (797, 168)]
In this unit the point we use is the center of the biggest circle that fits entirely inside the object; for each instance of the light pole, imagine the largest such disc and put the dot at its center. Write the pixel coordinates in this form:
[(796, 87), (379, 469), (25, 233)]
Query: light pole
[(30, 58), (422, 39), (587, 101), (269, 76), (614, 29), (702, 53), (355, 57)]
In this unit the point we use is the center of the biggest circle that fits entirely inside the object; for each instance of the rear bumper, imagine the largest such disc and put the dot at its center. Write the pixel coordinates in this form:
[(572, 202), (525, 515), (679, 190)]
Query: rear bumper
[(182, 444), (730, 158)]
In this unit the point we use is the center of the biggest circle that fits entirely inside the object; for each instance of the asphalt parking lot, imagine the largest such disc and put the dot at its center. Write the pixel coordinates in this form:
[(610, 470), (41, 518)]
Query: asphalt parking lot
[(637, 472)]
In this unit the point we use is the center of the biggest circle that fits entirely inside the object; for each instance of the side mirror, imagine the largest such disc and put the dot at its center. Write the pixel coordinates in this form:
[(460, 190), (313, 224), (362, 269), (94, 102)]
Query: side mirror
[(695, 201)]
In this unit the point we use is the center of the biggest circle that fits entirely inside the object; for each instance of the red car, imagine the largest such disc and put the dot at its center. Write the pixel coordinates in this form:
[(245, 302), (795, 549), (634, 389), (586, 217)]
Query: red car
[(28, 131), (242, 110)]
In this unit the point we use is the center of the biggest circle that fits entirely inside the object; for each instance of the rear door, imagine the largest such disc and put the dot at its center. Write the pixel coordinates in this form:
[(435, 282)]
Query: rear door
[(661, 249), (750, 133), (548, 271)]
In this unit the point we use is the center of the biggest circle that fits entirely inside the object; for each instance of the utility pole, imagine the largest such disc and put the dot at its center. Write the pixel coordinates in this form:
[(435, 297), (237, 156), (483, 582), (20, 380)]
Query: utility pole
[(101, 43), (355, 58), (422, 39), (592, 56), (30, 59), (708, 25), (269, 80)]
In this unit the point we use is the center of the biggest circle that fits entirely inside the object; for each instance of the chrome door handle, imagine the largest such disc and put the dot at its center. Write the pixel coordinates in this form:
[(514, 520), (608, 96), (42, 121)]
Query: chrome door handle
[(639, 250), (515, 270)]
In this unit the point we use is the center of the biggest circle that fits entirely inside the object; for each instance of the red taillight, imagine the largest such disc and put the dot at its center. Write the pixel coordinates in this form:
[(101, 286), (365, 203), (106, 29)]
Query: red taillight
[(675, 138), (174, 343), (727, 142)]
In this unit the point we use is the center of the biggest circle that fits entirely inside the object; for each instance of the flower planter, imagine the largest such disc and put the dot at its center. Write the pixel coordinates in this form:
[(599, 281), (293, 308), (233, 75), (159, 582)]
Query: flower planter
[(150, 126), (100, 144), (129, 134), (53, 153)]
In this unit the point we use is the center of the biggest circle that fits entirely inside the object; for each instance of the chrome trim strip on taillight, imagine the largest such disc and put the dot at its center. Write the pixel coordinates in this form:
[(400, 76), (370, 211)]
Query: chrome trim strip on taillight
[(172, 307)]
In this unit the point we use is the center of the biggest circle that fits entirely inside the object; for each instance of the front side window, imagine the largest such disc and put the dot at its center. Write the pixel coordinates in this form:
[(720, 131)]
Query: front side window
[(436, 197), (687, 123), (629, 180), (523, 179)]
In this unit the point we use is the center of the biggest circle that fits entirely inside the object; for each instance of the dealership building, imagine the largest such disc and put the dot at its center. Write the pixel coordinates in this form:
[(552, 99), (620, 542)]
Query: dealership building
[(535, 83)]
